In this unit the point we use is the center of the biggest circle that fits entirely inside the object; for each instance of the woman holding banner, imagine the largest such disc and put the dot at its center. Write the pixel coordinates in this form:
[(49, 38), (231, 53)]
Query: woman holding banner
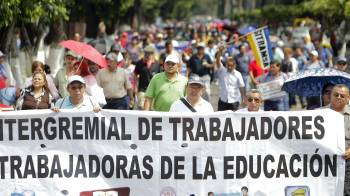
[(36, 96)]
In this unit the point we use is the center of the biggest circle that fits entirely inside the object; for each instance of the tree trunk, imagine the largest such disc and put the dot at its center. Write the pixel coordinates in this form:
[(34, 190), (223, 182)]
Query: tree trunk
[(136, 15)]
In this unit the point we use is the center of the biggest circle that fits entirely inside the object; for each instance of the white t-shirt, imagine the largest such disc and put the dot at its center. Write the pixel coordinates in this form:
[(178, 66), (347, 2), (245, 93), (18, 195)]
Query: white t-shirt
[(201, 106)]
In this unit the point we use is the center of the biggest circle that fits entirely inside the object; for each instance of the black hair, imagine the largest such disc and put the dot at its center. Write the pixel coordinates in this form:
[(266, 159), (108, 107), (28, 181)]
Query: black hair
[(244, 188), (326, 86), (47, 69), (276, 63)]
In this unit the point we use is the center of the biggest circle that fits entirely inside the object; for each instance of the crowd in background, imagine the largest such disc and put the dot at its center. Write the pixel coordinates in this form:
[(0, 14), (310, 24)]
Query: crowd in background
[(211, 52)]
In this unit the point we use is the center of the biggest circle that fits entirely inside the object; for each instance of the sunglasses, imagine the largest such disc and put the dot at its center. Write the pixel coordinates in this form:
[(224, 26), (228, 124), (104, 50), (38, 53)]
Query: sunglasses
[(338, 95), (256, 100)]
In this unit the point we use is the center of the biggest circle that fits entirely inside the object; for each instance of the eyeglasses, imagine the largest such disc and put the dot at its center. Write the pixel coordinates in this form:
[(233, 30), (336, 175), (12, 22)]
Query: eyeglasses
[(251, 99), (341, 63), (76, 87), (338, 95)]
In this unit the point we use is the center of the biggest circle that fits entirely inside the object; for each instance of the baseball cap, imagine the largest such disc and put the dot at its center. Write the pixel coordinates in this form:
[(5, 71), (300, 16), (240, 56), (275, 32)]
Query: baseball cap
[(201, 45), (314, 53), (172, 58), (112, 56), (115, 47), (341, 59), (75, 78), (149, 49), (195, 79)]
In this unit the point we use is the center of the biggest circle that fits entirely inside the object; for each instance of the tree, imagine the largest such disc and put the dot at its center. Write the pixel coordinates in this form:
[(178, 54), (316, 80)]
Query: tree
[(31, 17), (334, 16)]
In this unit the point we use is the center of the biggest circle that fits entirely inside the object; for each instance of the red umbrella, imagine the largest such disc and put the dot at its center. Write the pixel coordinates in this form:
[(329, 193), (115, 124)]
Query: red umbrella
[(86, 51)]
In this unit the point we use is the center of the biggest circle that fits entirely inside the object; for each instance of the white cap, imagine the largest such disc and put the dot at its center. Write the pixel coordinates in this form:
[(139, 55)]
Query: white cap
[(195, 79), (172, 58), (280, 43), (314, 53), (74, 78), (201, 44)]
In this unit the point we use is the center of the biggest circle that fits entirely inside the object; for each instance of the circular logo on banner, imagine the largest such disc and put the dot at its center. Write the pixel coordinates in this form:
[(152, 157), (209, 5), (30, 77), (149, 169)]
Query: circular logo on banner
[(167, 191)]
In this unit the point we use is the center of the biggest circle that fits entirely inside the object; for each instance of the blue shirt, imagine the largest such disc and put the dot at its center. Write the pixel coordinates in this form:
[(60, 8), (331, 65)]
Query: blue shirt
[(242, 62), (87, 104)]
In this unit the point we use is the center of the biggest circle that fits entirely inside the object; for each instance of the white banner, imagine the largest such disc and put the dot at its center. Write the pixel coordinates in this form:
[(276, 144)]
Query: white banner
[(151, 153)]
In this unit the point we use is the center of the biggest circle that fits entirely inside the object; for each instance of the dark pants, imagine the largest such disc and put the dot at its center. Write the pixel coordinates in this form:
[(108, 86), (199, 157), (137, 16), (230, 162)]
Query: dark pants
[(347, 179), (274, 105), (222, 106), (117, 103)]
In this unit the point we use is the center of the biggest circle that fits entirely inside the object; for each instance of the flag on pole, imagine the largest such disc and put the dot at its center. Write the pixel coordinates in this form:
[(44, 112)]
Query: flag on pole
[(259, 42)]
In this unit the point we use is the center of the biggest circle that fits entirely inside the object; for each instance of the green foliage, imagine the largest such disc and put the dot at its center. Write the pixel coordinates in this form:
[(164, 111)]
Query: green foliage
[(282, 13), (250, 16), (30, 11)]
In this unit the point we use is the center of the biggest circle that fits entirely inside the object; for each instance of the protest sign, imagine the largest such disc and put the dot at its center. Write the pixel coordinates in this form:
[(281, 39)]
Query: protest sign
[(271, 89), (153, 153)]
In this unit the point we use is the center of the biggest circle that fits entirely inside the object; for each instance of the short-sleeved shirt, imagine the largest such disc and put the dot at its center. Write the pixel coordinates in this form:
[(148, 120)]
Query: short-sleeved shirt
[(87, 104), (115, 84), (61, 80), (165, 92), (196, 65), (229, 84), (201, 106)]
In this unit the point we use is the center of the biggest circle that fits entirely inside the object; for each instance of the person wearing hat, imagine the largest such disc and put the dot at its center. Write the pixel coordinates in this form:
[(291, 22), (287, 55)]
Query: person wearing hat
[(77, 99), (342, 64), (116, 85), (116, 48), (67, 70), (169, 49), (145, 69), (201, 64), (193, 101), (314, 62), (165, 87)]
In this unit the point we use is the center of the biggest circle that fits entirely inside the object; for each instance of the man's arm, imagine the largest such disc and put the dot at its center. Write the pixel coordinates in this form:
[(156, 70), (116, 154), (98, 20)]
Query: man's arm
[(241, 90), (131, 96), (147, 104)]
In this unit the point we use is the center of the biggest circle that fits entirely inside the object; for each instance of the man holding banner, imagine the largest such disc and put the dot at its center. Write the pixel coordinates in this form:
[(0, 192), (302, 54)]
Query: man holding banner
[(339, 99), (253, 101), (77, 99)]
